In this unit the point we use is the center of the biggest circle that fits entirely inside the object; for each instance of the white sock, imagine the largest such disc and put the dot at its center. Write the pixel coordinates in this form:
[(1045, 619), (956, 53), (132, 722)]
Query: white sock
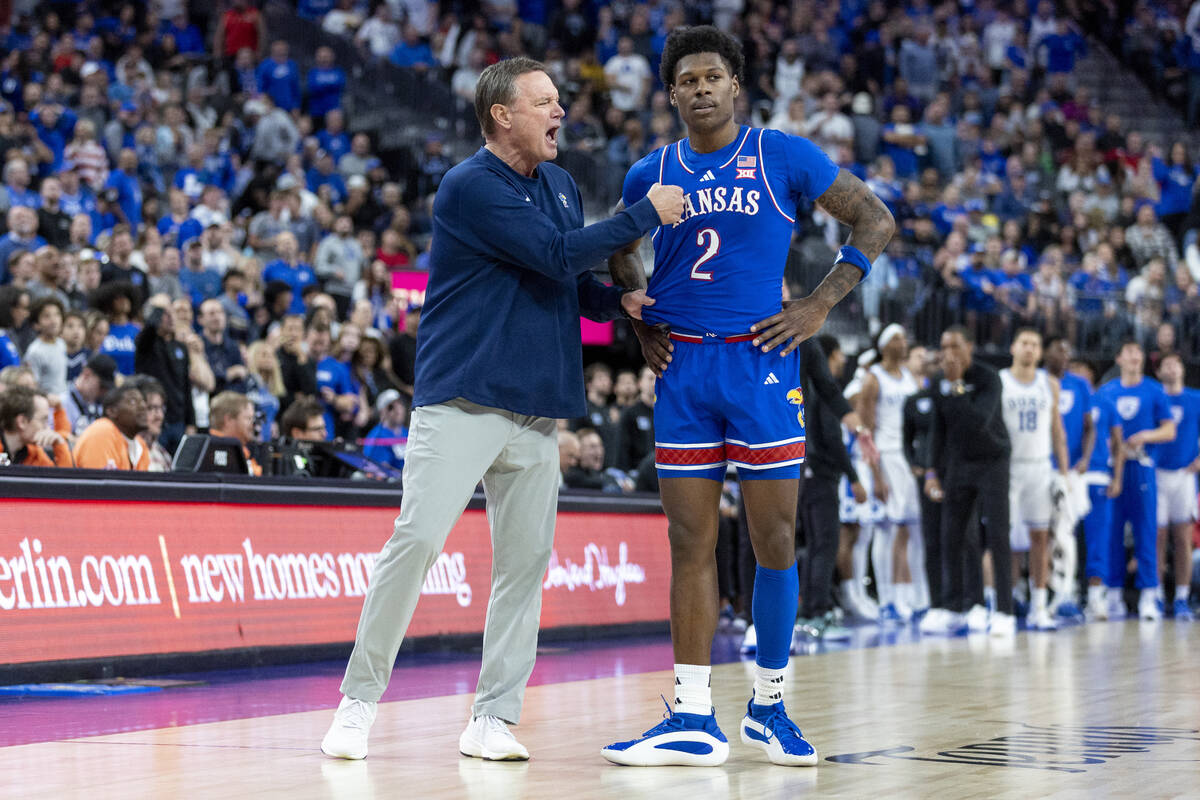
[(1039, 599), (1160, 592), (989, 596), (1095, 595), (1181, 593), (903, 593), (768, 686), (693, 689)]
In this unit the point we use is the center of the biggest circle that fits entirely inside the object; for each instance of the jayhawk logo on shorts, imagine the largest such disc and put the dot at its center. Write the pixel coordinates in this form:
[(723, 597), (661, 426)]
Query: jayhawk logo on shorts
[(796, 398), (563, 198)]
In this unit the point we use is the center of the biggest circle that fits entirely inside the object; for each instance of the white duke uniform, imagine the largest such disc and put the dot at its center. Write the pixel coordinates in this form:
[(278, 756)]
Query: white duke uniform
[(903, 504), (1027, 411)]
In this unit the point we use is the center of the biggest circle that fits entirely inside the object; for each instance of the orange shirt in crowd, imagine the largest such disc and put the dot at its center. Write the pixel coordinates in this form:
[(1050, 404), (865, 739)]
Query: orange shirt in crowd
[(35, 456), (103, 446), (62, 423)]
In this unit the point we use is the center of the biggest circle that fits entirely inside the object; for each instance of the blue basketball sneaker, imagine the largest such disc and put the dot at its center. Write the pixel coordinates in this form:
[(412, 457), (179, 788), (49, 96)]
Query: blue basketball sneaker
[(768, 728), (685, 740), (1183, 611)]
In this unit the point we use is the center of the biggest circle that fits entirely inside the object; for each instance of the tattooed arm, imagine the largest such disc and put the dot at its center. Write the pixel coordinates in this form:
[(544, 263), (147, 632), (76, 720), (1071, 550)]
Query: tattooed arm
[(850, 202), (627, 271)]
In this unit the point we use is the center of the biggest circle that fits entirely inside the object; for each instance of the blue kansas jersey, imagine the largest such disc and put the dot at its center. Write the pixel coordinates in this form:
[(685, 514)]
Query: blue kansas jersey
[(719, 270), (1185, 410)]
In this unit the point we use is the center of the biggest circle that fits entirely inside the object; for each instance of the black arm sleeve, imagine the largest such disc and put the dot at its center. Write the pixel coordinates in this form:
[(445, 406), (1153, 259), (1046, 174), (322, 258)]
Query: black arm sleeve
[(816, 369)]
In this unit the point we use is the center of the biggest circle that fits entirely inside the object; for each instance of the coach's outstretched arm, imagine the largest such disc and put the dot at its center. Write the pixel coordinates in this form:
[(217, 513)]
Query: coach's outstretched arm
[(850, 202), (501, 218), (627, 271)]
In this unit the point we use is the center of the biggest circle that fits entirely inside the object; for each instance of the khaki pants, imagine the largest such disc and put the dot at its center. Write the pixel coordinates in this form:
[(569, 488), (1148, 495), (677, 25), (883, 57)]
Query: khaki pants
[(451, 447)]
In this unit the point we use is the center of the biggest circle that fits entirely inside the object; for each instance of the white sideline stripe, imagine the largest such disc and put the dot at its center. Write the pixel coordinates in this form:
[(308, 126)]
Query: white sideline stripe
[(767, 466)]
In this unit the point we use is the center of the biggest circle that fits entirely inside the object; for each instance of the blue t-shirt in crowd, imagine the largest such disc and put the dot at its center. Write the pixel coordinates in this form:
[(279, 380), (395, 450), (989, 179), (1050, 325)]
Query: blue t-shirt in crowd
[(1062, 51), (200, 285), (974, 296), (266, 406), (904, 158), (325, 87), (281, 82), (335, 182), (120, 345), (1185, 410), (129, 197), (386, 446), (1175, 184), (9, 357), (299, 277), (333, 374), (336, 144)]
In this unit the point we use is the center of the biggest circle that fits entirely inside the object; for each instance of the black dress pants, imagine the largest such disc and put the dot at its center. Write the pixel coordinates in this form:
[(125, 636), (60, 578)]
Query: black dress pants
[(962, 549)]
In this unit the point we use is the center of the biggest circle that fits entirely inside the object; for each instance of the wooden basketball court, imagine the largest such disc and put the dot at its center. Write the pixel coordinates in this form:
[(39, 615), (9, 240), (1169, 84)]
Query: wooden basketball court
[(1110, 709)]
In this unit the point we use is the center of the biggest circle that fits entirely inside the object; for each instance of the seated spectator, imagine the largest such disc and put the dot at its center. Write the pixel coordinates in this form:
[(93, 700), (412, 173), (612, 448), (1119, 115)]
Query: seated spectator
[(325, 83), (231, 415), (82, 399), (22, 236), (343, 396), (386, 442), (161, 459), (901, 140), (112, 442), (265, 387), (343, 20), (412, 51), (568, 455), (199, 283), (334, 139), (75, 337), (279, 77), (116, 302), (589, 472), (54, 224), (47, 354), (119, 266), (325, 176), (1148, 238), (221, 351), (25, 433), (176, 361), (636, 426), (304, 421), (379, 34), (290, 269)]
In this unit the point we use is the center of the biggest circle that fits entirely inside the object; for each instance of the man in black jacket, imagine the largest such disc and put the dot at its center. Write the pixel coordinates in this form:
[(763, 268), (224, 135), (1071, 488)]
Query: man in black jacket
[(918, 426), (969, 455), (158, 354)]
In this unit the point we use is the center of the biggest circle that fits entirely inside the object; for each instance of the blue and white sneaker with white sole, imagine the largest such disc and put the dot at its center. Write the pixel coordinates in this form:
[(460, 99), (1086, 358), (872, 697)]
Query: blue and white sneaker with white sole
[(682, 740), (769, 729)]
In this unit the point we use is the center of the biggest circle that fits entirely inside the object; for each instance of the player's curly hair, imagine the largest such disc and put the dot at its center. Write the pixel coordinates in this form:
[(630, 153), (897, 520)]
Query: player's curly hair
[(701, 39)]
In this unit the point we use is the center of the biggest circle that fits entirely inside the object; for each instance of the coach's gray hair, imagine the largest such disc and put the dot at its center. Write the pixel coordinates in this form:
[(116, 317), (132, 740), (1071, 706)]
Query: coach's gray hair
[(497, 84)]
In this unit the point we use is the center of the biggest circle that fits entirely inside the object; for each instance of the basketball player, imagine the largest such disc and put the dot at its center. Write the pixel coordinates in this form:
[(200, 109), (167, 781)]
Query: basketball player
[(1105, 471), (1177, 462), (731, 391), (886, 387), (1074, 401), (1145, 418), (1030, 404)]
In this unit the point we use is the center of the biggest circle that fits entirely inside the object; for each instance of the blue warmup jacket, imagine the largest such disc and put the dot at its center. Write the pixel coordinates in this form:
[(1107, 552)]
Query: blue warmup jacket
[(509, 275)]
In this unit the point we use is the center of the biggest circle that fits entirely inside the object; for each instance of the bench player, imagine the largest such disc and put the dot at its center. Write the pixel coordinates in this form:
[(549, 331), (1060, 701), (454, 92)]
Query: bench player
[(730, 394), (1176, 464), (1030, 403)]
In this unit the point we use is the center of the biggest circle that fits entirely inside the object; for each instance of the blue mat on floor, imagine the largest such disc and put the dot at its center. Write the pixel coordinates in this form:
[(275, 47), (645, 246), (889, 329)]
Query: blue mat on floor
[(72, 689)]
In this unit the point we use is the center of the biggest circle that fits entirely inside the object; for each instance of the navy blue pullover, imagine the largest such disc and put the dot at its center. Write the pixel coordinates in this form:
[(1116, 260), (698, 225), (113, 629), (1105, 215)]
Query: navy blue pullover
[(509, 275)]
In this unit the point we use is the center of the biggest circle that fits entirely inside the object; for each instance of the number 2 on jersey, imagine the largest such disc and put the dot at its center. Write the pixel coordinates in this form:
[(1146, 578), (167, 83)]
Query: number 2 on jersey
[(711, 247)]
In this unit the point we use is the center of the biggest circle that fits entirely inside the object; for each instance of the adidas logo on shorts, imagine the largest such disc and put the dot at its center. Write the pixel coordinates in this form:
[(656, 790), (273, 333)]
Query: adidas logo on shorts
[(770, 379)]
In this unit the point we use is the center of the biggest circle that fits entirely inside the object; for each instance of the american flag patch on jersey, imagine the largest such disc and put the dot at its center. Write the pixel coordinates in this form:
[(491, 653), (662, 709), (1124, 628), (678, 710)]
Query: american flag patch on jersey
[(747, 161)]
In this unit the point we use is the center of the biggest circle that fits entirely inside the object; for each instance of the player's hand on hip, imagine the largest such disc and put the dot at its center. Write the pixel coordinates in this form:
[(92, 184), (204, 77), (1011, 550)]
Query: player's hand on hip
[(799, 320), (656, 347), (633, 302), (668, 202)]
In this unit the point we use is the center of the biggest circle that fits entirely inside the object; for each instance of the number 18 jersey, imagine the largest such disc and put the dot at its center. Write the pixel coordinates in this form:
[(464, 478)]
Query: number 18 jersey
[(719, 269)]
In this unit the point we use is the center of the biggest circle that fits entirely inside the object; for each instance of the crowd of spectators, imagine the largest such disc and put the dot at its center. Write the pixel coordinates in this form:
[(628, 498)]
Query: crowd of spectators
[(186, 210)]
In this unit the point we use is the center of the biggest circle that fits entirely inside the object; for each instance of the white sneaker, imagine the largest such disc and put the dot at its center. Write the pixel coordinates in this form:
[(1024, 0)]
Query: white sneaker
[(1002, 626), (977, 619), (347, 736), (1148, 606), (1040, 620), (487, 737), (1097, 609), (934, 622), (750, 641), (1116, 604)]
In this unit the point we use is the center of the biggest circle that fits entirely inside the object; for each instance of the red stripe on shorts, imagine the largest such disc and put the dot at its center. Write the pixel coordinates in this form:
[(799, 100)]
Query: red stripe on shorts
[(689, 456), (757, 456)]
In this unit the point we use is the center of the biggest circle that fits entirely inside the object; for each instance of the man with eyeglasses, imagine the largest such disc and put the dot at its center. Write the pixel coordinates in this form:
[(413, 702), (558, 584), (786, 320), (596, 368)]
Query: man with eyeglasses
[(304, 421), (156, 410)]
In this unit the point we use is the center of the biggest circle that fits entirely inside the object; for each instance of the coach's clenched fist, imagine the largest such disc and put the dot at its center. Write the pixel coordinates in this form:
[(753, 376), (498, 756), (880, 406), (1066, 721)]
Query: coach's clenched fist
[(668, 202)]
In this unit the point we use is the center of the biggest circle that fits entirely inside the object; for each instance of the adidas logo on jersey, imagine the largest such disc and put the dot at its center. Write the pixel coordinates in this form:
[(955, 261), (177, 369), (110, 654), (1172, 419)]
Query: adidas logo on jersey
[(770, 379), (708, 176)]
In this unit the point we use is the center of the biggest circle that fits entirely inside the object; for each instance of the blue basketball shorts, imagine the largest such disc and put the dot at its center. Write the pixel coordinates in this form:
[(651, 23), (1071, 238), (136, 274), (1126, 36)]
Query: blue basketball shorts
[(724, 401)]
